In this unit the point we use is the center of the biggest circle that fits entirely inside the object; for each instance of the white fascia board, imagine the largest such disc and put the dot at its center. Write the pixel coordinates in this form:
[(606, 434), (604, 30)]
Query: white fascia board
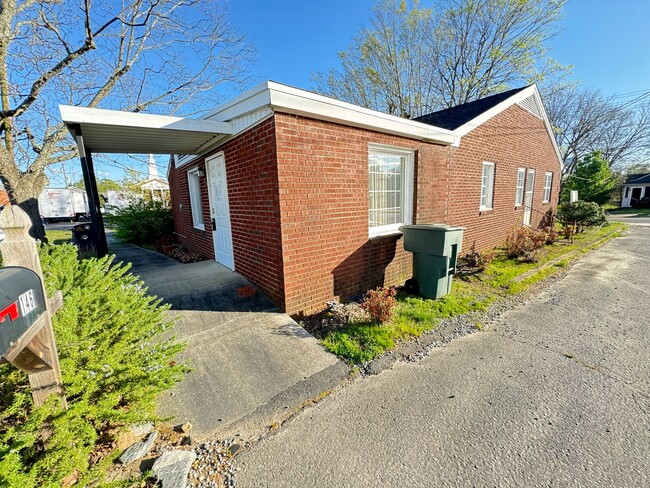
[(251, 100), (549, 129), (497, 109), (283, 98), (292, 100), (301, 102), (95, 116)]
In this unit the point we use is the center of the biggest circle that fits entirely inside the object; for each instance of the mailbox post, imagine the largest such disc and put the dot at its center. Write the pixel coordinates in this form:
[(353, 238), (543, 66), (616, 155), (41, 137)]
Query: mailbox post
[(26, 333)]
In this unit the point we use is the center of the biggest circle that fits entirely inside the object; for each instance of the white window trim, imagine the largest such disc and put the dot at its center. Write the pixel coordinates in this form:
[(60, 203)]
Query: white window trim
[(193, 198), (519, 198), (407, 191), (547, 189), (490, 192)]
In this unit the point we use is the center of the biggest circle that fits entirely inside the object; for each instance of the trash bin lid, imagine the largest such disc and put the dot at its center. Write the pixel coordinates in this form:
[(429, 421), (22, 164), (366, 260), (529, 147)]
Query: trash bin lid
[(439, 227)]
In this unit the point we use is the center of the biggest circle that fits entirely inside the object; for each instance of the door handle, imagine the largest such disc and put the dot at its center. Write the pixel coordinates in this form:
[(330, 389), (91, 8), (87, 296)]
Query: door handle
[(214, 224)]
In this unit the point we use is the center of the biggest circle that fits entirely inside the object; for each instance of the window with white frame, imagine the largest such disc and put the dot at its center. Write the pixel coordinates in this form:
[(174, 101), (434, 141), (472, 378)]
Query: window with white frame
[(195, 198), (390, 188), (487, 186), (548, 182), (519, 195)]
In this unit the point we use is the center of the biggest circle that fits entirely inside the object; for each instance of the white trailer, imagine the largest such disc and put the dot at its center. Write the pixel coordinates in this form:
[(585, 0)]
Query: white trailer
[(120, 199), (63, 204)]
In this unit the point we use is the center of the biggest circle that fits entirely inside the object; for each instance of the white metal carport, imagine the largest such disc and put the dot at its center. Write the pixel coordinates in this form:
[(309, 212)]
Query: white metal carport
[(111, 131)]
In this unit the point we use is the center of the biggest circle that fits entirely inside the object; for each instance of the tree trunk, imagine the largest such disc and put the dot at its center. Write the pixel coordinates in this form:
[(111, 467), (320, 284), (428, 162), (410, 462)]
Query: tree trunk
[(38, 229)]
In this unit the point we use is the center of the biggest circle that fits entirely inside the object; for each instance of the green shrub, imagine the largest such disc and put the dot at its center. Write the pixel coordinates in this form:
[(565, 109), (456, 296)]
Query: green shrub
[(142, 222), (581, 214), (113, 366)]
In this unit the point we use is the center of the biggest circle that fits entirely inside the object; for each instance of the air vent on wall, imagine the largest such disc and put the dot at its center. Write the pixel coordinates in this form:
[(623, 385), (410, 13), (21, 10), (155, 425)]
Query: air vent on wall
[(530, 103)]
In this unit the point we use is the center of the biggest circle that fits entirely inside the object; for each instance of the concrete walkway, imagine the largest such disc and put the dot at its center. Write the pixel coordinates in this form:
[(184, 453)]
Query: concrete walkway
[(252, 365)]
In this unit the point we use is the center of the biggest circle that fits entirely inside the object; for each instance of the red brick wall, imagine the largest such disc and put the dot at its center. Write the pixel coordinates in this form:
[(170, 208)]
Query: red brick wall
[(298, 191), (253, 194), (323, 175), (513, 139), (195, 239), (176, 200)]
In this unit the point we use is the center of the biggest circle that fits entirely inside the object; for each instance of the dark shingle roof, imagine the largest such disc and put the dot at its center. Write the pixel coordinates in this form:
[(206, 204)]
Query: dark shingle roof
[(452, 118), (642, 178)]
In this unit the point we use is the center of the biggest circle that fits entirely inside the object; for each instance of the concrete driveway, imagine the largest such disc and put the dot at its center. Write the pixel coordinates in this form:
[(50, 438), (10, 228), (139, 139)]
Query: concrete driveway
[(252, 364), (556, 393)]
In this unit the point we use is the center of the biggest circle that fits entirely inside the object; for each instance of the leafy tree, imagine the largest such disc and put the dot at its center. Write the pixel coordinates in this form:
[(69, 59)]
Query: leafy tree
[(593, 179), (410, 61), (160, 56), (103, 185)]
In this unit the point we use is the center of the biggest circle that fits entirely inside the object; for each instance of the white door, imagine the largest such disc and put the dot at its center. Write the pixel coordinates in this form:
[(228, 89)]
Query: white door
[(220, 210), (528, 195)]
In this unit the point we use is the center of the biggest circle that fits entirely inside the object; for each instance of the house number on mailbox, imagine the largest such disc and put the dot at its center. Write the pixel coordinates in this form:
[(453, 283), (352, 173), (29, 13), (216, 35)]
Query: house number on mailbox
[(27, 302)]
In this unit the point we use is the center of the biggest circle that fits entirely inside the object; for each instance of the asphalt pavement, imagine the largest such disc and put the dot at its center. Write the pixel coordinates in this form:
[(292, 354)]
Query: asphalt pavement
[(631, 218), (555, 393)]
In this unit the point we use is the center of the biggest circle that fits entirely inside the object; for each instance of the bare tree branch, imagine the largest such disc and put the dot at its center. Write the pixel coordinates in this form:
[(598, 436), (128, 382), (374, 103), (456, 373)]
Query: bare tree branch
[(161, 55)]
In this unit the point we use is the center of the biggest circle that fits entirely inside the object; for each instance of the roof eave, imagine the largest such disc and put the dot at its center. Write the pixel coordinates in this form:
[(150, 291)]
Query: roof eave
[(113, 131)]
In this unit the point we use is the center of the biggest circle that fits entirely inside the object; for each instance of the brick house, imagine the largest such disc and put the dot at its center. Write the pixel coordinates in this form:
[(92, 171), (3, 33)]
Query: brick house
[(305, 196)]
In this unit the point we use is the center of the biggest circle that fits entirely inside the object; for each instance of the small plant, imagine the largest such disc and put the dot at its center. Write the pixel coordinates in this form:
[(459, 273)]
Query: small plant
[(551, 235), (380, 304), (569, 231), (183, 255), (476, 261), (523, 242)]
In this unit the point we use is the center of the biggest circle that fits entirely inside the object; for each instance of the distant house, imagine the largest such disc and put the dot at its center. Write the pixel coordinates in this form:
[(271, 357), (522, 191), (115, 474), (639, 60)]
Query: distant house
[(304, 194), (635, 188)]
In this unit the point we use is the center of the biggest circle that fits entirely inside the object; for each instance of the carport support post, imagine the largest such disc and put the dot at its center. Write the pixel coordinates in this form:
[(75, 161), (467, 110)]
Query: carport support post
[(91, 190)]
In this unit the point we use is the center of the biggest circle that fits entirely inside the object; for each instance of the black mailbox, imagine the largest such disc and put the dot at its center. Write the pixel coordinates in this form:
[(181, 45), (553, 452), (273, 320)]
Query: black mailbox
[(21, 303)]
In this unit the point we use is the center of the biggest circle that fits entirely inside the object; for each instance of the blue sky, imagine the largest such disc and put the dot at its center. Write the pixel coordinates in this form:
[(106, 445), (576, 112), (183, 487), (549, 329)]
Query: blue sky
[(607, 42)]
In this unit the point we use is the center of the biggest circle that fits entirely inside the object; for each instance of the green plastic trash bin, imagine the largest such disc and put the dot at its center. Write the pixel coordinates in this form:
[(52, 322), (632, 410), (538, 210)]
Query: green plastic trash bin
[(435, 249)]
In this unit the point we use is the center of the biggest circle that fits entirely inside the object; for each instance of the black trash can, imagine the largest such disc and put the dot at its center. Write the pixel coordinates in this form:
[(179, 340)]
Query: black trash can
[(83, 237)]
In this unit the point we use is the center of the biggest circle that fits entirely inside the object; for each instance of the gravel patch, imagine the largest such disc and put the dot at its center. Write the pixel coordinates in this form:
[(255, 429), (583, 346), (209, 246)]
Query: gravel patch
[(214, 464)]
